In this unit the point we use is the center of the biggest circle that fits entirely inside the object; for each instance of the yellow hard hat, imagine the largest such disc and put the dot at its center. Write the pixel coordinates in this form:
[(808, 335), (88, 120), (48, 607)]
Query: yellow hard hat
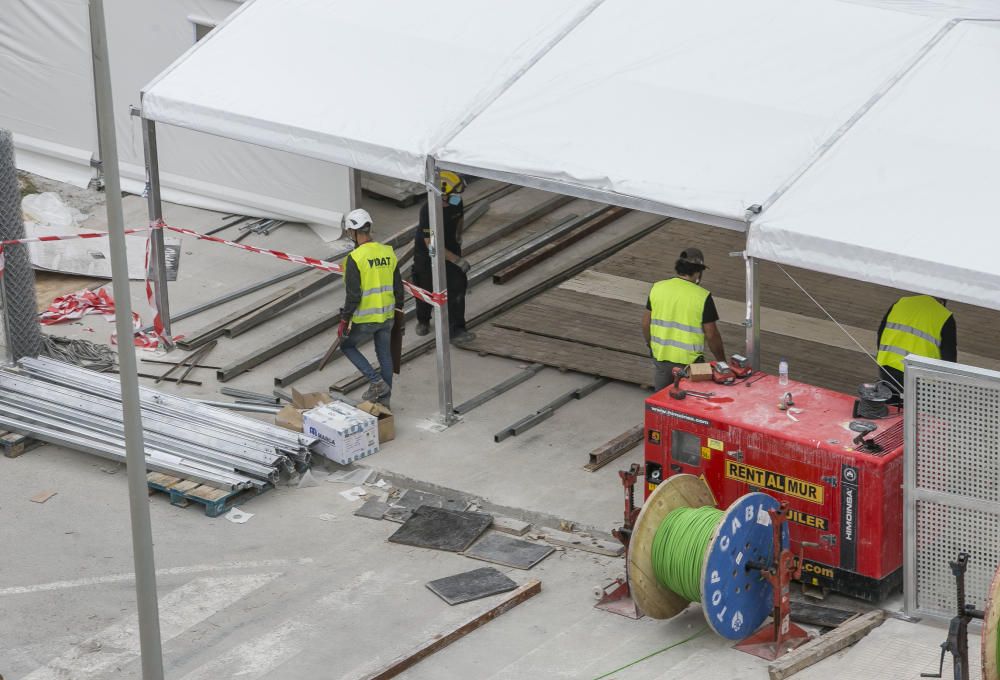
[(451, 183)]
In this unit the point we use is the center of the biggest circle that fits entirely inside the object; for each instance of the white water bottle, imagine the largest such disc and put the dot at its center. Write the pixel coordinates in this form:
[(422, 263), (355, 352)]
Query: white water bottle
[(783, 372)]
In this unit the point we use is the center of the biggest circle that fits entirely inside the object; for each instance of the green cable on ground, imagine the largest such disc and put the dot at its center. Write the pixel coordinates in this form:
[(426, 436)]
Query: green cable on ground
[(650, 656), (678, 549)]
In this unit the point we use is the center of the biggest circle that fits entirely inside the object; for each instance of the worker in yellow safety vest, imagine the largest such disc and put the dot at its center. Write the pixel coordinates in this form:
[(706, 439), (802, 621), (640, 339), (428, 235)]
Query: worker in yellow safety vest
[(917, 324), (680, 320), (373, 295)]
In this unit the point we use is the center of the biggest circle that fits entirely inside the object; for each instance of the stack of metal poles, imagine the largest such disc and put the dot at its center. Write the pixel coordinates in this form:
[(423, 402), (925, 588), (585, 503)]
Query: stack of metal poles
[(70, 406)]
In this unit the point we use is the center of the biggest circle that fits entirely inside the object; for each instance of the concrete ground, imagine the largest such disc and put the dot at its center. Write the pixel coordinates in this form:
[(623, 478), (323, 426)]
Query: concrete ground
[(305, 589)]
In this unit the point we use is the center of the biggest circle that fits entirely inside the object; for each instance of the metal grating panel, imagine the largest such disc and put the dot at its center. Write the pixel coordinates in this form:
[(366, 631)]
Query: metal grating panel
[(945, 531), (951, 483), (958, 438)]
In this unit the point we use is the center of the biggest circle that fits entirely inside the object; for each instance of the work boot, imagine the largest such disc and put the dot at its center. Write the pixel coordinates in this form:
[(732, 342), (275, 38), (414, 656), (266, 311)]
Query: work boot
[(462, 337), (377, 391), (423, 327)]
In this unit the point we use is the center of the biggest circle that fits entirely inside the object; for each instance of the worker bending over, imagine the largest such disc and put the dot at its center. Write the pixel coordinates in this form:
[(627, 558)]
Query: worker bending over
[(374, 292), (456, 266), (917, 324), (680, 319)]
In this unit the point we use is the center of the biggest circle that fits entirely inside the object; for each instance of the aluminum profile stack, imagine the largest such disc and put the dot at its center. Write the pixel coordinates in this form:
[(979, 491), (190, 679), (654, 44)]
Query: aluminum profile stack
[(70, 406), (17, 285)]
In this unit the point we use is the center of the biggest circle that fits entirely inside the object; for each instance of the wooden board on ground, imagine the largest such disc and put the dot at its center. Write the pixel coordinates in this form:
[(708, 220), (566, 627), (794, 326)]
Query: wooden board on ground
[(438, 642), (823, 646), (562, 354), (50, 285), (851, 302)]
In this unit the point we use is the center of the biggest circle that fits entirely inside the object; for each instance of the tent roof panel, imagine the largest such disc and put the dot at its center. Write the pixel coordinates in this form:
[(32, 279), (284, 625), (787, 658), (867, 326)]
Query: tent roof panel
[(374, 85), (907, 197), (702, 106)]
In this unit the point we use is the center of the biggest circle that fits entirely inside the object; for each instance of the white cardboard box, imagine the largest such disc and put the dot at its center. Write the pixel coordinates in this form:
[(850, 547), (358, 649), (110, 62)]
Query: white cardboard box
[(345, 433)]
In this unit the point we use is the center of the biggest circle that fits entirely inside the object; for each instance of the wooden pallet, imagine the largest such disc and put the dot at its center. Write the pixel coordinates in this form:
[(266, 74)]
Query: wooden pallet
[(183, 492), (13, 444)]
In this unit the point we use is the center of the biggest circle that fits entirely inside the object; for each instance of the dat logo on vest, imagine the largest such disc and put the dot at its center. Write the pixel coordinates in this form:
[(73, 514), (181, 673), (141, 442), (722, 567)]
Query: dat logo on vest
[(378, 261)]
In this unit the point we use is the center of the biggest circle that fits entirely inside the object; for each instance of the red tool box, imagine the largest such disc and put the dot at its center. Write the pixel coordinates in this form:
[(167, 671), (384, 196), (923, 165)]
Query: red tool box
[(844, 497)]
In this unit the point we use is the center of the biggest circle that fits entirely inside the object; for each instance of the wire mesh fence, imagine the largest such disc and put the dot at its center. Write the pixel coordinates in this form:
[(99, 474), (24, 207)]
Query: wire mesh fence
[(22, 336)]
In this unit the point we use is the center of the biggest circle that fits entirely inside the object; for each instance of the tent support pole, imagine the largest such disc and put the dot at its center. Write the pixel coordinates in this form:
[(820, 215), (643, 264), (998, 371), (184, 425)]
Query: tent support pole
[(354, 187), (442, 335), (752, 321), (150, 648), (157, 266)]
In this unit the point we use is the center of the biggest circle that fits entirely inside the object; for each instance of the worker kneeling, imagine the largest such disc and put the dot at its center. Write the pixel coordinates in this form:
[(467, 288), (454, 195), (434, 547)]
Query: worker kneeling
[(374, 293), (681, 319)]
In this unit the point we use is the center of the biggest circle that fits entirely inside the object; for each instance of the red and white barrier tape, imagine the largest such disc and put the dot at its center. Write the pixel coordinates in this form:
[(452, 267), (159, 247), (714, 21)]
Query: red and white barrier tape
[(74, 306)]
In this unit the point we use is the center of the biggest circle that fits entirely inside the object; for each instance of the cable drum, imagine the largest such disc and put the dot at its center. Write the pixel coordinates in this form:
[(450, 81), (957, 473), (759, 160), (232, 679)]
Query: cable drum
[(685, 550)]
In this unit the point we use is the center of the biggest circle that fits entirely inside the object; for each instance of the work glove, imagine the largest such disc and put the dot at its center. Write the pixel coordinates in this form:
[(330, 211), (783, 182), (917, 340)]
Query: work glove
[(463, 264), (344, 328)]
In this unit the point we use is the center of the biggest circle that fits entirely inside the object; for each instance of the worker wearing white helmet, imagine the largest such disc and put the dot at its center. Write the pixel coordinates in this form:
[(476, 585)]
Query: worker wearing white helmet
[(374, 293)]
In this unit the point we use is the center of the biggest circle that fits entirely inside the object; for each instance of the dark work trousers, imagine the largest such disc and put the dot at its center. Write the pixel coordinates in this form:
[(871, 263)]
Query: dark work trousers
[(457, 282)]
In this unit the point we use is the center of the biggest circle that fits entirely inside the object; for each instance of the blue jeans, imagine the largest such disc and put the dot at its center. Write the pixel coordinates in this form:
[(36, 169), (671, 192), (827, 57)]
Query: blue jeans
[(361, 333)]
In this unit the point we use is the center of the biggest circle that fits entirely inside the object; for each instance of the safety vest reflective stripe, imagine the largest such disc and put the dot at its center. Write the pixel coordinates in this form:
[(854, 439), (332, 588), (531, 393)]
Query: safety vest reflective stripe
[(674, 324), (674, 343), (913, 326), (368, 311), (376, 263), (376, 291), (675, 329), (913, 331)]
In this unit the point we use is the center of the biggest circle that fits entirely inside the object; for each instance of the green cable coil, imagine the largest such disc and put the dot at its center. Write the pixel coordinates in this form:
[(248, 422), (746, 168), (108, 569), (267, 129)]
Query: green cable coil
[(678, 549)]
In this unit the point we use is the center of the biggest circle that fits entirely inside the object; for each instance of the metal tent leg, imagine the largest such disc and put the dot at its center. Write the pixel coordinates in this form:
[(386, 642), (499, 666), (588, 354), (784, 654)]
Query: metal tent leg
[(752, 321), (135, 451), (442, 333), (157, 268)]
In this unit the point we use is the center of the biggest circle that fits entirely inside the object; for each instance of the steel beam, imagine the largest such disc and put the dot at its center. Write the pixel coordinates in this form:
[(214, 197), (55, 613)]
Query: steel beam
[(495, 391), (156, 272), (752, 321), (547, 411)]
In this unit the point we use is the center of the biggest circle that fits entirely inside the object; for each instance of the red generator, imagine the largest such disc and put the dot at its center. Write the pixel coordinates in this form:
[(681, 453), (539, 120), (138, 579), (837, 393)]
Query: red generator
[(844, 490)]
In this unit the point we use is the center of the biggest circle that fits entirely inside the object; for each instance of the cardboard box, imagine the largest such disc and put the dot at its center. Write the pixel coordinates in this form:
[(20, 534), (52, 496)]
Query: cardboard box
[(386, 421), (345, 433), (700, 372), (290, 416)]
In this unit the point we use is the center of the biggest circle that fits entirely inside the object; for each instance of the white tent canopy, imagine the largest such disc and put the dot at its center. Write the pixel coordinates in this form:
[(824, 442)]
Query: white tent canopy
[(907, 198), (702, 106), (374, 85)]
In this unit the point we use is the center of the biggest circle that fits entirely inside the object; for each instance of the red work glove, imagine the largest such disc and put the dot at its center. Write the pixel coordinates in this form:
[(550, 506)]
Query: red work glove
[(344, 328)]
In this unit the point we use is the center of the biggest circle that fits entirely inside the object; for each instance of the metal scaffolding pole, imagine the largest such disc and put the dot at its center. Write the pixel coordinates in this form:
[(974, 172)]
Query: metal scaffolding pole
[(142, 534), (157, 267), (752, 322), (442, 335)]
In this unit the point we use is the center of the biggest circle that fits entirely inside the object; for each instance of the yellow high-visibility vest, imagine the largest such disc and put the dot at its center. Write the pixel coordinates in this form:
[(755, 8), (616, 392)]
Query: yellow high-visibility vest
[(913, 326), (675, 329), (377, 263)]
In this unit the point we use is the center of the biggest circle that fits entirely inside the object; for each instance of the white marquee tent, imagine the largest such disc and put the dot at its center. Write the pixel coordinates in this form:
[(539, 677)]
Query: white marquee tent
[(826, 109)]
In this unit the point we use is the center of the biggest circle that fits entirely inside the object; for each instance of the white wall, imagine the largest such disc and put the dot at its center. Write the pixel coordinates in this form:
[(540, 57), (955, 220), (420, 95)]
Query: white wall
[(46, 98)]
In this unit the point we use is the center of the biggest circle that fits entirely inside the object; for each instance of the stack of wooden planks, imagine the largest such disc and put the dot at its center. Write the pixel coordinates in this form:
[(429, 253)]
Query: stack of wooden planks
[(591, 323)]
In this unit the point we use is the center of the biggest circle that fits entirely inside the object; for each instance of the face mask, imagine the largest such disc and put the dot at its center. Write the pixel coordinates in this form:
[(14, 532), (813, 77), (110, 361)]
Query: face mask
[(454, 199)]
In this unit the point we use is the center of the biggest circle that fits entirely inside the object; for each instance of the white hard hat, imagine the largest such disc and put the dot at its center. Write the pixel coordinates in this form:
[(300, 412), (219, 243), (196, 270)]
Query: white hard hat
[(358, 219)]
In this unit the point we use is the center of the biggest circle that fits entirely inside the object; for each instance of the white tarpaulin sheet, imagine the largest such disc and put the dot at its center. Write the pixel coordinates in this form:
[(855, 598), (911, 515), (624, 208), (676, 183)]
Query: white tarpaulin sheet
[(374, 85), (704, 106), (47, 87), (907, 198)]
